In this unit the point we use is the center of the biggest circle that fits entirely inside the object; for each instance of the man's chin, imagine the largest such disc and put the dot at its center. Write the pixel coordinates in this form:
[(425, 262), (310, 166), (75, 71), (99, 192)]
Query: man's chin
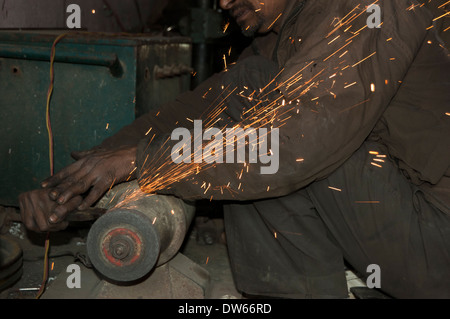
[(250, 31)]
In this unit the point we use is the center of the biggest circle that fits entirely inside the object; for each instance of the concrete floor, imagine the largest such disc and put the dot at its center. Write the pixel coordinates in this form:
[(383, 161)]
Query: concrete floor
[(200, 270)]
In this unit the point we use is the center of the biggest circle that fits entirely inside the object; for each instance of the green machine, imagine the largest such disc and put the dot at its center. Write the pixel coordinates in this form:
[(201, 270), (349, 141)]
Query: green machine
[(102, 82)]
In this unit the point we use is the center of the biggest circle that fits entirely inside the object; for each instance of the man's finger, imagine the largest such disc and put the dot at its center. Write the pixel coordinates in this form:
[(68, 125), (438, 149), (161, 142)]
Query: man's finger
[(94, 195), (78, 188), (56, 192), (41, 210), (61, 211), (76, 184), (62, 175)]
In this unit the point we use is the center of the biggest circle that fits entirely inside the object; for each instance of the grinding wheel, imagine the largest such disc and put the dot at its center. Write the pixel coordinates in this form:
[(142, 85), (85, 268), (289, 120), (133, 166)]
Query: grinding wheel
[(123, 245), (11, 262), (137, 233)]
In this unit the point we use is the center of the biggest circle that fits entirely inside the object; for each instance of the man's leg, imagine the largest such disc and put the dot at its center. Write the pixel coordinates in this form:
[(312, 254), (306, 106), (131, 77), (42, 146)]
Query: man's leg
[(378, 217), (280, 248), (286, 246)]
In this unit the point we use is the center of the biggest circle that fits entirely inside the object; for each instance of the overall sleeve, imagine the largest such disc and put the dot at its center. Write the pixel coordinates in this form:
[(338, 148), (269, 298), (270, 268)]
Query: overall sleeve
[(324, 101)]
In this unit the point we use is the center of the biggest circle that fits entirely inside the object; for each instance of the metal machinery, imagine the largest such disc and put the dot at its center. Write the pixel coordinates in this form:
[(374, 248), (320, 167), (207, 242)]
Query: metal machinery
[(137, 233), (102, 83), (205, 26), (134, 250)]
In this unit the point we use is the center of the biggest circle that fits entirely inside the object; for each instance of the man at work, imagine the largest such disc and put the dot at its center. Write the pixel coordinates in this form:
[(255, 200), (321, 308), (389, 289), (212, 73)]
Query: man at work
[(362, 116)]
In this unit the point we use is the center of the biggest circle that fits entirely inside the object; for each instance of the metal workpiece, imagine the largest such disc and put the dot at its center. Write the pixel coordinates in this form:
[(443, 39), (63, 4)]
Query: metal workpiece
[(138, 232)]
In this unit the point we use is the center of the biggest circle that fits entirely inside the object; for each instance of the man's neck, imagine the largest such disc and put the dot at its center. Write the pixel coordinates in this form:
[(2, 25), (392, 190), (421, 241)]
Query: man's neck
[(290, 6)]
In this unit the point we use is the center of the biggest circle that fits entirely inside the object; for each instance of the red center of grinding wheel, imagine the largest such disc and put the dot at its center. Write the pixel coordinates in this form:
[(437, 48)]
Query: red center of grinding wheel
[(122, 247)]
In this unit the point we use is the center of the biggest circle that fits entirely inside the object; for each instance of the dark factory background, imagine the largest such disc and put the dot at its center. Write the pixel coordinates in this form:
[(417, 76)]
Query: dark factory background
[(173, 44), (127, 58), (202, 20)]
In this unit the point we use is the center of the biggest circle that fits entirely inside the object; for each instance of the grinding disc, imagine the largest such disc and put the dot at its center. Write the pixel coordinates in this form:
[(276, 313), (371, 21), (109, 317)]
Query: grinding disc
[(123, 245)]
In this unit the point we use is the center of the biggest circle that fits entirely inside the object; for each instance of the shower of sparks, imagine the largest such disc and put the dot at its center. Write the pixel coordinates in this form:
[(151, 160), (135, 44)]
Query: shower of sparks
[(270, 26), (225, 62), (226, 27), (335, 189), (364, 59), (267, 111), (440, 17)]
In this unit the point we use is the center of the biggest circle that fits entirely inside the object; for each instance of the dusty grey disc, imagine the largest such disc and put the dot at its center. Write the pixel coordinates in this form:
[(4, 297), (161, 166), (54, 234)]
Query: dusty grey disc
[(123, 245)]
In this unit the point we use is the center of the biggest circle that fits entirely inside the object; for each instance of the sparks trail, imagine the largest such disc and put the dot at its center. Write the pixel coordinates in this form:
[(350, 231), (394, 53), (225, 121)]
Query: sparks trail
[(354, 14), (273, 105), (265, 111)]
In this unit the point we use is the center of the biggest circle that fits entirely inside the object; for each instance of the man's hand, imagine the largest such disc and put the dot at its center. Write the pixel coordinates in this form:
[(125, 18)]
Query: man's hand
[(96, 172), (36, 207), (91, 176)]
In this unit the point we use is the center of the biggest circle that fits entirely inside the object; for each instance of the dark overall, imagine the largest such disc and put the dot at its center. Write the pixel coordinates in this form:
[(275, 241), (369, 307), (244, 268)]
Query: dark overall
[(355, 207), (366, 213)]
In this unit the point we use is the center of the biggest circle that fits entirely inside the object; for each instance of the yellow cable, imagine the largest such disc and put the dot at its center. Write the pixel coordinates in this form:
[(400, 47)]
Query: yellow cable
[(45, 276), (49, 96), (51, 152)]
